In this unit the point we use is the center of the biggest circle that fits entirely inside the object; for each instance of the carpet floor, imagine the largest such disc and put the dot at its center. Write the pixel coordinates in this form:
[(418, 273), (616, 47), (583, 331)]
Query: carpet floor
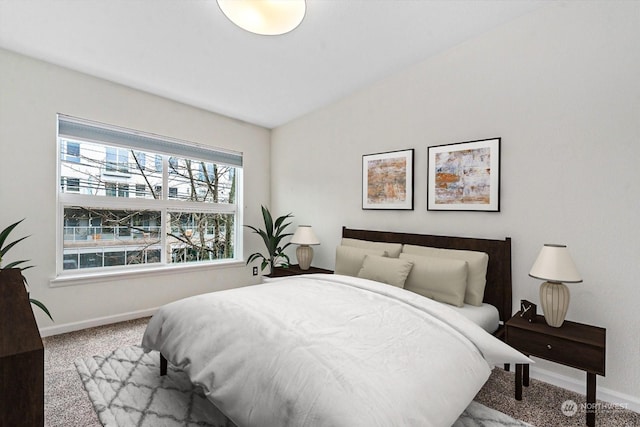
[(67, 402), (126, 390)]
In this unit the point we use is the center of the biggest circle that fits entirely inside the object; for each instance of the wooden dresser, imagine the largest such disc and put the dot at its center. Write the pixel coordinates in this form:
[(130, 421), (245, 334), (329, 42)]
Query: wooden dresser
[(21, 356)]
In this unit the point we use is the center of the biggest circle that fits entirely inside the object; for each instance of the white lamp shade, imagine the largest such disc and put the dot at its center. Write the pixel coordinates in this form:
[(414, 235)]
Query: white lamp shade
[(554, 264), (264, 17), (304, 235)]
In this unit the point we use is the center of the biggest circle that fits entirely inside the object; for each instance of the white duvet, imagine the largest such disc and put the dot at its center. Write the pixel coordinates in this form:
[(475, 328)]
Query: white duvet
[(328, 350)]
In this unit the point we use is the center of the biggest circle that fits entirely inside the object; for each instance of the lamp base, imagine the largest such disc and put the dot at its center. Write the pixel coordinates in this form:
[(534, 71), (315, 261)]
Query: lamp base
[(554, 299), (304, 253)]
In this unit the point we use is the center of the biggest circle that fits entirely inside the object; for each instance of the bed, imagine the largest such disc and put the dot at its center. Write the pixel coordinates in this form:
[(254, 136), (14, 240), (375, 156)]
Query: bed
[(497, 292), (337, 350)]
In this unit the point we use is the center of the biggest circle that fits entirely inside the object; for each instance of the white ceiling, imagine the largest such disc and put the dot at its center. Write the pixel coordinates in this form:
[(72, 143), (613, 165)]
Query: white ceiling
[(188, 51)]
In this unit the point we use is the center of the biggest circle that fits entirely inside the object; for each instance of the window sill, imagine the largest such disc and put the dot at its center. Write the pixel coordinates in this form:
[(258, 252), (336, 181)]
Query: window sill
[(109, 276)]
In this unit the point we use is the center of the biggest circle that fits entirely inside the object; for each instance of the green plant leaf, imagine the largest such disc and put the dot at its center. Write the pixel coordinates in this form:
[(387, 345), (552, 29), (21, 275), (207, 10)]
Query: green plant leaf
[(272, 236), (254, 257), (255, 230), (16, 263), (278, 225), (41, 306), (268, 221), (10, 245), (5, 233)]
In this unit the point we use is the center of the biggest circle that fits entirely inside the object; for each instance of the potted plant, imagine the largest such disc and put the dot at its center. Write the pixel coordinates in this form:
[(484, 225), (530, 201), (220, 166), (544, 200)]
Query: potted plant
[(4, 234), (272, 235)]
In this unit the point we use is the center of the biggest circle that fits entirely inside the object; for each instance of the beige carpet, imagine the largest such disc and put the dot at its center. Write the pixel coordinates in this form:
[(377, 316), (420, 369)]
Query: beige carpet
[(67, 403), (127, 390), (541, 404)]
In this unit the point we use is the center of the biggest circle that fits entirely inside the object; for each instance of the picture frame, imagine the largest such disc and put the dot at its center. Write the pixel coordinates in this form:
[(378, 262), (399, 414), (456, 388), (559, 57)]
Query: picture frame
[(387, 180), (464, 176)]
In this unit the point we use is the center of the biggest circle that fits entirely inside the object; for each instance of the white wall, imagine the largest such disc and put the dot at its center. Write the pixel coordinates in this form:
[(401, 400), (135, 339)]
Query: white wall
[(560, 86), (31, 93)]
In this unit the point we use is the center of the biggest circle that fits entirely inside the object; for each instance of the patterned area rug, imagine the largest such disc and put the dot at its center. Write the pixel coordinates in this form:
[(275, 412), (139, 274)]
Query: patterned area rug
[(126, 390)]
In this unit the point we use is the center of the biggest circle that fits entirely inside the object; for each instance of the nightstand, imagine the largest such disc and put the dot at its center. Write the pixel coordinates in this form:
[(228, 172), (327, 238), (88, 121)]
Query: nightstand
[(573, 344), (294, 270)]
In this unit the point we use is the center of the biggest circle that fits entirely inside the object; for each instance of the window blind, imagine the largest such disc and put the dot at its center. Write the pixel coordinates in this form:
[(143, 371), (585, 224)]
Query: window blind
[(74, 128)]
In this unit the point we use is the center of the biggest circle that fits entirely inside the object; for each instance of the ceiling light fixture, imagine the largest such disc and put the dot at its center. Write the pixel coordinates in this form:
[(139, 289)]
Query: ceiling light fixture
[(264, 17)]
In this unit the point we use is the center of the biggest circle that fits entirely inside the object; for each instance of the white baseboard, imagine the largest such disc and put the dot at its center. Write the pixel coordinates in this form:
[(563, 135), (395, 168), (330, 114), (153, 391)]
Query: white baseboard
[(92, 323), (602, 393)]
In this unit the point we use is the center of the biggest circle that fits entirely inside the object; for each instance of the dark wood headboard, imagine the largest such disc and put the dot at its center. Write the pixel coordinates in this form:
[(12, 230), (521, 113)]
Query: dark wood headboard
[(498, 289)]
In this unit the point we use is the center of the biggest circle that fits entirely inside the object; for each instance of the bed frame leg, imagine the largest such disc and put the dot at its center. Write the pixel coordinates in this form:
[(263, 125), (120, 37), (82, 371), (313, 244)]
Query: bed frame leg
[(163, 365)]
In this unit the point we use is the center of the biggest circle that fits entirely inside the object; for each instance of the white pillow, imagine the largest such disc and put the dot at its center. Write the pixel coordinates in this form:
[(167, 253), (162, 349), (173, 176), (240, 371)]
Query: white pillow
[(349, 259), (393, 249), (441, 279), (392, 271), (477, 264)]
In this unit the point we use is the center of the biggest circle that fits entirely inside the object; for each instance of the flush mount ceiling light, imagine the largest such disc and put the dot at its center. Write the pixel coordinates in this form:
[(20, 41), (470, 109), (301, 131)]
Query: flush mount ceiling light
[(265, 17)]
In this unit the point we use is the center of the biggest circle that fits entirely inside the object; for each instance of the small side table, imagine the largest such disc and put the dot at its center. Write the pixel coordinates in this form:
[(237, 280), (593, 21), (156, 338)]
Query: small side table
[(573, 344), (294, 270)]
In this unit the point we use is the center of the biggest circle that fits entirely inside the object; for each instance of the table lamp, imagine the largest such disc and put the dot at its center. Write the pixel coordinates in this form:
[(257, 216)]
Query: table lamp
[(304, 236), (554, 264)]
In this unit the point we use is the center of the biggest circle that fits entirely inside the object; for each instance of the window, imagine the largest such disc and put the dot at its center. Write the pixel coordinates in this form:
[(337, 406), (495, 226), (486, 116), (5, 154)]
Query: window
[(141, 190), (140, 159), (73, 152), (118, 160), (116, 190), (73, 184), (118, 213)]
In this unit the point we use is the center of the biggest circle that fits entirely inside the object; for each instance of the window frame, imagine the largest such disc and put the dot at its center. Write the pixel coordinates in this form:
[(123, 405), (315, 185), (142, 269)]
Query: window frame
[(165, 205)]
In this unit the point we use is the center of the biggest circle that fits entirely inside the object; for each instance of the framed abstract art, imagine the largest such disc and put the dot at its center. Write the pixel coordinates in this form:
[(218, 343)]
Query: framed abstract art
[(464, 176), (387, 180)]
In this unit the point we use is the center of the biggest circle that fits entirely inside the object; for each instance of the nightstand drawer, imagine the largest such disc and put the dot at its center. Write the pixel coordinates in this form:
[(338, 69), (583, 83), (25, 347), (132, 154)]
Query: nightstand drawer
[(556, 349)]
